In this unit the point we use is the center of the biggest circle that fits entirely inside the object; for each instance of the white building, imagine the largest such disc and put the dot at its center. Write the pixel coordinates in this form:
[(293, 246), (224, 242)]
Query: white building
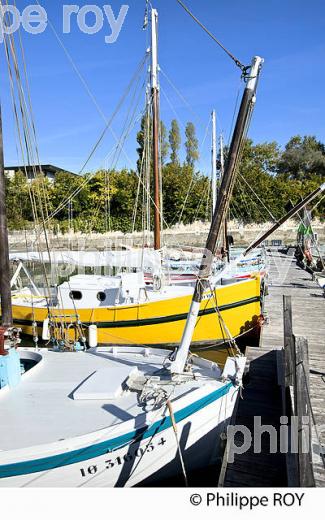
[(49, 171)]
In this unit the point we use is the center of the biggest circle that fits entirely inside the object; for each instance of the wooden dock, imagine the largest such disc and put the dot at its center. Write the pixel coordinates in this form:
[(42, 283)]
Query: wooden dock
[(263, 393)]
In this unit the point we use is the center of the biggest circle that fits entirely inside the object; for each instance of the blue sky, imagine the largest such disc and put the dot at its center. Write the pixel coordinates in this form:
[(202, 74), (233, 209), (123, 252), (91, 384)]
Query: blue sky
[(288, 34)]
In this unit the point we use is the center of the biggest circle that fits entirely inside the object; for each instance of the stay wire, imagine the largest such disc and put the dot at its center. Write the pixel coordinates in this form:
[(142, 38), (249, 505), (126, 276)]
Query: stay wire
[(242, 67)]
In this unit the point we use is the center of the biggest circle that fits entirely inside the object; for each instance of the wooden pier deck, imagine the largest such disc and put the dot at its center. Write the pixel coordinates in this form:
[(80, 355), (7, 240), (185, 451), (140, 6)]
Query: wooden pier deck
[(262, 395)]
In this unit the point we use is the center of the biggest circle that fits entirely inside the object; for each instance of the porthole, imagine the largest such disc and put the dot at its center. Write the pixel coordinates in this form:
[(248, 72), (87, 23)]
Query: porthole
[(101, 296), (75, 295)]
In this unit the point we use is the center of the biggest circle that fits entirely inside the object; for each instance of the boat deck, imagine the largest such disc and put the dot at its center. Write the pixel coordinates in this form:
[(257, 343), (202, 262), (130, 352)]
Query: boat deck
[(43, 408)]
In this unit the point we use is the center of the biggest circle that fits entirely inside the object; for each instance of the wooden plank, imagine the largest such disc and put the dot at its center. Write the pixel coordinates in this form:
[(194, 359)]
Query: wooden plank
[(306, 475)]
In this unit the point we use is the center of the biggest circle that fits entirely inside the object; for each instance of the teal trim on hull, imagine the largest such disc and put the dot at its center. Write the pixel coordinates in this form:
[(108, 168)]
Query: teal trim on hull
[(96, 450)]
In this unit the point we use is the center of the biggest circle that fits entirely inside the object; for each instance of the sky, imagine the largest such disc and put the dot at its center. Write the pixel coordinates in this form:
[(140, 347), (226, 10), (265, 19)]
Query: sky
[(77, 79)]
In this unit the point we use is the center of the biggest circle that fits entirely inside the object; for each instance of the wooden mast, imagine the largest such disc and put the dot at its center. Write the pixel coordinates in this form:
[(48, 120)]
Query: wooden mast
[(225, 241), (214, 161), (286, 217), (155, 127), (222, 157), (222, 205), (5, 289)]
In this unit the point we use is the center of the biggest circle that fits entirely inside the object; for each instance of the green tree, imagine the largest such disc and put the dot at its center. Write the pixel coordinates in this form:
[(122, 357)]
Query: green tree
[(191, 145), (302, 158), (143, 134), (41, 189), (184, 194), (164, 144), (19, 210), (256, 185), (124, 185), (267, 184), (65, 185), (174, 141)]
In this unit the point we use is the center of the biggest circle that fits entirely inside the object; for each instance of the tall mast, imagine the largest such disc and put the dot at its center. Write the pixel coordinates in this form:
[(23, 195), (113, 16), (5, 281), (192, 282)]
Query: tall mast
[(214, 161), (5, 290), (222, 171), (222, 205), (155, 125), (222, 157), (286, 217)]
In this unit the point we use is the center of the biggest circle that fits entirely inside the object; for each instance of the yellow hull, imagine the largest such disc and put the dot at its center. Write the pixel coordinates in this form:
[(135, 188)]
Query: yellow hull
[(161, 322)]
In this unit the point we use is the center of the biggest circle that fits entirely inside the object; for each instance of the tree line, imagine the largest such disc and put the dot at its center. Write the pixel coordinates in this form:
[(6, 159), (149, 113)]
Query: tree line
[(270, 180), (170, 142)]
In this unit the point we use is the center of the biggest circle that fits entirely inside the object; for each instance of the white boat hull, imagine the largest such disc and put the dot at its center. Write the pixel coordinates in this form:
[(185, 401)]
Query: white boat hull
[(153, 458)]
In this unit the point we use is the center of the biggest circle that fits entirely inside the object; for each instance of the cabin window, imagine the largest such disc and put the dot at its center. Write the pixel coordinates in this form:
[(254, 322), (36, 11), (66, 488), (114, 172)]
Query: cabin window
[(75, 295), (101, 296)]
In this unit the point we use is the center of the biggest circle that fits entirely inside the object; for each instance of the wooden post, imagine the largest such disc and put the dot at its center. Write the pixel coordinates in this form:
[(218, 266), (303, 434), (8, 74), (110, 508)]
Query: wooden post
[(303, 412), (288, 341)]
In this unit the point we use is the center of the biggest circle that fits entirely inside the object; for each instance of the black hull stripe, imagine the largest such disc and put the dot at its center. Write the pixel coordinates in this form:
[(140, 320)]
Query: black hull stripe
[(153, 321)]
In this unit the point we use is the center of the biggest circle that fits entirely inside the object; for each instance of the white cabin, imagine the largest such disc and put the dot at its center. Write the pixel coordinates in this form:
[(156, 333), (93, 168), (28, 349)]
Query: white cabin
[(91, 291)]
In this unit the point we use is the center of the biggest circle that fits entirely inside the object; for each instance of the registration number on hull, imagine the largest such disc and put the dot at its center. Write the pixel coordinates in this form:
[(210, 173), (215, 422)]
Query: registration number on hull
[(130, 457)]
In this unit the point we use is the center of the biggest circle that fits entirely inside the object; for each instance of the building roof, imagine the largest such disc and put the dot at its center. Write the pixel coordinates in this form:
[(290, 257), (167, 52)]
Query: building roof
[(45, 168)]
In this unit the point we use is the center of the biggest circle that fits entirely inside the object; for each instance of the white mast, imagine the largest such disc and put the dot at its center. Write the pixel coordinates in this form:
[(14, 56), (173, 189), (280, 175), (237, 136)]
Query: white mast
[(214, 161), (222, 205), (154, 49)]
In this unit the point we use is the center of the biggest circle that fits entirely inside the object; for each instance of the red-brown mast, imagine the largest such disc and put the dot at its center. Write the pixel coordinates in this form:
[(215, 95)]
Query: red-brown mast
[(155, 125)]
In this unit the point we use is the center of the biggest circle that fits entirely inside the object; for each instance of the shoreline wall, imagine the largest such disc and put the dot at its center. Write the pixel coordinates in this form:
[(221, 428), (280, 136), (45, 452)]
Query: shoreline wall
[(193, 235)]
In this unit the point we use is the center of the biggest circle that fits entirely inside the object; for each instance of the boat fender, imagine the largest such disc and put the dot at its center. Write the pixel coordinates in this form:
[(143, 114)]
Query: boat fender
[(46, 336), (92, 336), (157, 283)]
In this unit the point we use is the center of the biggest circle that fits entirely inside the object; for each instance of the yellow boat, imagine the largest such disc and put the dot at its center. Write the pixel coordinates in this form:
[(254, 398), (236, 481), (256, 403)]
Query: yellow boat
[(126, 312)]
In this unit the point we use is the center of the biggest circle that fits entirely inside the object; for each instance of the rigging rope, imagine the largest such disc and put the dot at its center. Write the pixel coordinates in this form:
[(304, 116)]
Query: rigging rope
[(109, 122), (180, 95), (27, 138), (258, 198), (242, 67), (85, 84), (108, 125), (179, 449)]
